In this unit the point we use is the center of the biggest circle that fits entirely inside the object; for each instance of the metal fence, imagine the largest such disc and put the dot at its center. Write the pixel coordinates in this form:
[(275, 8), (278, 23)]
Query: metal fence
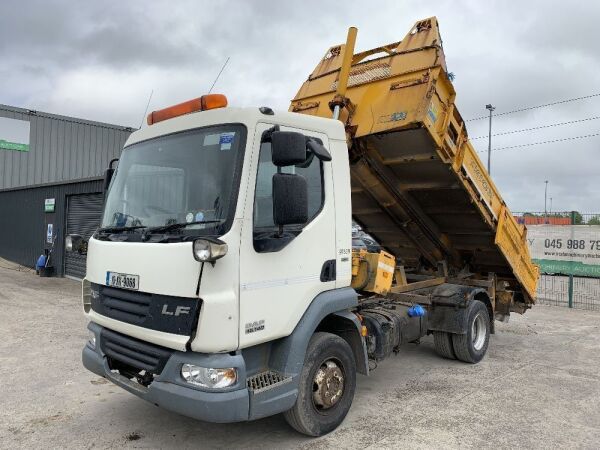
[(565, 290), (554, 290), (557, 218)]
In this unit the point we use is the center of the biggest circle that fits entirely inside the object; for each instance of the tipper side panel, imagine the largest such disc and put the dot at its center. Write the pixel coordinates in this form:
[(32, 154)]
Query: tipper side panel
[(418, 185)]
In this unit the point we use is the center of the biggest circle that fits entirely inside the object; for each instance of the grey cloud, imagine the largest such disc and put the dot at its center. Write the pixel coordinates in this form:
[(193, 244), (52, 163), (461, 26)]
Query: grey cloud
[(67, 36), (83, 58)]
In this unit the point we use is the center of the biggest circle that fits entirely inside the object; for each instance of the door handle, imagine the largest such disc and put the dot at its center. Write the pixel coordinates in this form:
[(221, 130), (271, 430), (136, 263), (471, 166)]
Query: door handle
[(328, 271)]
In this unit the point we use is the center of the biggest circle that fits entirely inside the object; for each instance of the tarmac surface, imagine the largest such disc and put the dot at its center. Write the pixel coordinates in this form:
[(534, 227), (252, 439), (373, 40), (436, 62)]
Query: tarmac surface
[(538, 387)]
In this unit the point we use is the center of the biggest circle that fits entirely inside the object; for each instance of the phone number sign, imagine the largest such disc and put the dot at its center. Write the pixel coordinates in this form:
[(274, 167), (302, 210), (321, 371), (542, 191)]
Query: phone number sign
[(566, 249)]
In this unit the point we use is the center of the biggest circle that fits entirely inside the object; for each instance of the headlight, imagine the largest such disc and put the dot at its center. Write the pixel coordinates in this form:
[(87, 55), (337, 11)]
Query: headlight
[(75, 243), (92, 339), (209, 249), (208, 377), (69, 243)]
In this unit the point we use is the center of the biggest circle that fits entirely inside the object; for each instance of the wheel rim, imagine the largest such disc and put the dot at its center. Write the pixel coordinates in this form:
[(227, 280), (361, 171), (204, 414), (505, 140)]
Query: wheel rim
[(328, 385), (478, 332)]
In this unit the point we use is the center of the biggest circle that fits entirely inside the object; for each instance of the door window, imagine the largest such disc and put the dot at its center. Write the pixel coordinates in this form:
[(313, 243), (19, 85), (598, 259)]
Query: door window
[(311, 170)]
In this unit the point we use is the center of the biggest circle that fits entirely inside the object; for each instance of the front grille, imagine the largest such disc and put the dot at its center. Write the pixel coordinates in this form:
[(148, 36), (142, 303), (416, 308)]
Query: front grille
[(176, 315), (266, 380), (137, 354), (130, 307)]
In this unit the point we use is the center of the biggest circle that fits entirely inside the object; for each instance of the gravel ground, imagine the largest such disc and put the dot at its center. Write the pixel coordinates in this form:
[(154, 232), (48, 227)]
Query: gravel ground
[(538, 387)]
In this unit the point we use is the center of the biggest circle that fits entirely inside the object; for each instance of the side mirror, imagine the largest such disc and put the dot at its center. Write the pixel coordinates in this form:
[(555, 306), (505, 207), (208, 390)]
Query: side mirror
[(288, 148), (108, 174), (290, 200), (75, 243)]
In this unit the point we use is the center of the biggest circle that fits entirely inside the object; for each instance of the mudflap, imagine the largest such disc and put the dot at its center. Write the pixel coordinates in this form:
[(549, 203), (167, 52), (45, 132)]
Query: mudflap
[(448, 310)]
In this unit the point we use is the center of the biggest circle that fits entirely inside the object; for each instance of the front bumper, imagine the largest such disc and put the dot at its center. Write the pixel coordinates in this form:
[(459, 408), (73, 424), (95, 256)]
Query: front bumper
[(169, 390)]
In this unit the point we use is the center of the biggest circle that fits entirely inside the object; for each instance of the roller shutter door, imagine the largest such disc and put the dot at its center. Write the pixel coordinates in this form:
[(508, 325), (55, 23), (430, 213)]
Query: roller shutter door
[(83, 217)]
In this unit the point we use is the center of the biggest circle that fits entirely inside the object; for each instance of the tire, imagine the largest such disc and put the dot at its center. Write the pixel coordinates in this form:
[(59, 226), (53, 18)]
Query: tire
[(472, 346), (310, 415), (443, 344)]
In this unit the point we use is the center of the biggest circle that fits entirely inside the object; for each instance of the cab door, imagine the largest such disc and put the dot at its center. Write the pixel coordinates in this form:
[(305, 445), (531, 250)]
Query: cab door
[(278, 284)]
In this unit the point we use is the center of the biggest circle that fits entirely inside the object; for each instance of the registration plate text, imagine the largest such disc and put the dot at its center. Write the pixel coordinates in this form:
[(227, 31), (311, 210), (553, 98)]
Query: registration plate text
[(122, 280)]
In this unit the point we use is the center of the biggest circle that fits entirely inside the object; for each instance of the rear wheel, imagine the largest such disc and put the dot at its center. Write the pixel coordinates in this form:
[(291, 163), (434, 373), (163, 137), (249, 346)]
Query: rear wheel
[(472, 346), (443, 344), (327, 384)]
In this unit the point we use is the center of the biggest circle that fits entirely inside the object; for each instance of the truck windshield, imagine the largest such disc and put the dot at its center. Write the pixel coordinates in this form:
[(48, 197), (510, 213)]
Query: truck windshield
[(188, 177)]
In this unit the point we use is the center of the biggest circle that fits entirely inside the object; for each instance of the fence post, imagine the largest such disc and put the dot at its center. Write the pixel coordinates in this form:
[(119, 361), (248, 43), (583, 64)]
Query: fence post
[(571, 274)]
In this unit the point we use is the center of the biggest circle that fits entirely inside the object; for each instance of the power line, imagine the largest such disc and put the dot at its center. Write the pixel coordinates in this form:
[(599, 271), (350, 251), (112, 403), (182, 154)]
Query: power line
[(536, 107), (545, 142), (539, 128)]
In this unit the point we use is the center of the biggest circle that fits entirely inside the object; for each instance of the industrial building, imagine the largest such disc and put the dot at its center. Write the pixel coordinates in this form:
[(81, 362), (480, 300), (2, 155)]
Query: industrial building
[(51, 170)]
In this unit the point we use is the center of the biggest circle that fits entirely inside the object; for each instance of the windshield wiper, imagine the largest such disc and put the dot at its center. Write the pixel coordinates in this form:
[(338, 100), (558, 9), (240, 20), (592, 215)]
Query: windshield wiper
[(119, 229), (178, 226)]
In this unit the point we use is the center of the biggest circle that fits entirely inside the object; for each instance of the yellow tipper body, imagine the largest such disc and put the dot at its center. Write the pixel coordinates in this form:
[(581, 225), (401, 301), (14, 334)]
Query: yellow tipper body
[(418, 186)]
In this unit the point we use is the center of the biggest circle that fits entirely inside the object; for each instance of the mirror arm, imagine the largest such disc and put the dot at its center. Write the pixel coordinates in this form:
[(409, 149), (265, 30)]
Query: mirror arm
[(266, 135), (279, 226), (316, 147)]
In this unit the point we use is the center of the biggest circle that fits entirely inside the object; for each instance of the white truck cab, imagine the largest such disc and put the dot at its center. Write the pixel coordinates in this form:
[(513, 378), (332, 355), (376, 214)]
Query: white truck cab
[(225, 243)]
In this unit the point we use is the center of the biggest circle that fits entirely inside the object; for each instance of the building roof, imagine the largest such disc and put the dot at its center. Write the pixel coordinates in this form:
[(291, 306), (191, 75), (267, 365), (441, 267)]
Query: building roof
[(32, 112)]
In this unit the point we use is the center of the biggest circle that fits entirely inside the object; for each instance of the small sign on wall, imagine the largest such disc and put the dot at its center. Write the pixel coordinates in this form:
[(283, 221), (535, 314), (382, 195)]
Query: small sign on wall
[(49, 205), (49, 233)]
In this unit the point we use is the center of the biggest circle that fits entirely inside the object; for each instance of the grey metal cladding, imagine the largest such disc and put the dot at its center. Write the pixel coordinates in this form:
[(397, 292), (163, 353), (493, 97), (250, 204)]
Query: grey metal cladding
[(23, 221), (60, 149)]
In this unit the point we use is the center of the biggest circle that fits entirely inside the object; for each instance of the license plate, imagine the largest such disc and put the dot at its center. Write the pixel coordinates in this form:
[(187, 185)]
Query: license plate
[(122, 280)]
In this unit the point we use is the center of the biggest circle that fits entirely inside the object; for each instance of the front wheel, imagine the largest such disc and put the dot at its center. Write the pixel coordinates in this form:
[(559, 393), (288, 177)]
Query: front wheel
[(472, 346), (327, 384)]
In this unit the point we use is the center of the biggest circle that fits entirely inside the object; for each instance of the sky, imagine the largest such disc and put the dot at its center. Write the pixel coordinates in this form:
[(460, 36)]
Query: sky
[(101, 61)]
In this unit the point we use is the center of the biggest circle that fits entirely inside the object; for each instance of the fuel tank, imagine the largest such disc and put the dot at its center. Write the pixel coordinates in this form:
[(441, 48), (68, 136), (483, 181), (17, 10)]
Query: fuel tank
[(391, 324)]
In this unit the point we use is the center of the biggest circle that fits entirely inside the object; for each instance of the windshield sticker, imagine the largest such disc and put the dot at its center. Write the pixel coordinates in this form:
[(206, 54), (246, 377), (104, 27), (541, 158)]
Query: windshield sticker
[(225, 140), (211, 139), (190, 217), (199, 216)]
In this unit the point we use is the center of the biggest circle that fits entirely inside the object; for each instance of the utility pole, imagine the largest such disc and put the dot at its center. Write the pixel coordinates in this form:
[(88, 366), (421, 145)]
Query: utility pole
[(491, 109), (545, 200), (550, 205)]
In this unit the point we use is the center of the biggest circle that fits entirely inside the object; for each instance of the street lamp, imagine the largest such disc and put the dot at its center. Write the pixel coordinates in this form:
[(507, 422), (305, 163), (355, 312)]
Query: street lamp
[(546, 200), (491, 109)]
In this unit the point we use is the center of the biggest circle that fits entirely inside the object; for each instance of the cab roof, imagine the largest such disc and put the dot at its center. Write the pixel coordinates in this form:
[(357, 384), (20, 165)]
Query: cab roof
[(334, 129)]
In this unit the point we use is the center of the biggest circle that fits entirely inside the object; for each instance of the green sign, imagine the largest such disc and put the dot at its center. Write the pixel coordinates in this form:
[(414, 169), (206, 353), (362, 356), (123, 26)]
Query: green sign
[(568, 268), (5, 145), (49, 205)]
